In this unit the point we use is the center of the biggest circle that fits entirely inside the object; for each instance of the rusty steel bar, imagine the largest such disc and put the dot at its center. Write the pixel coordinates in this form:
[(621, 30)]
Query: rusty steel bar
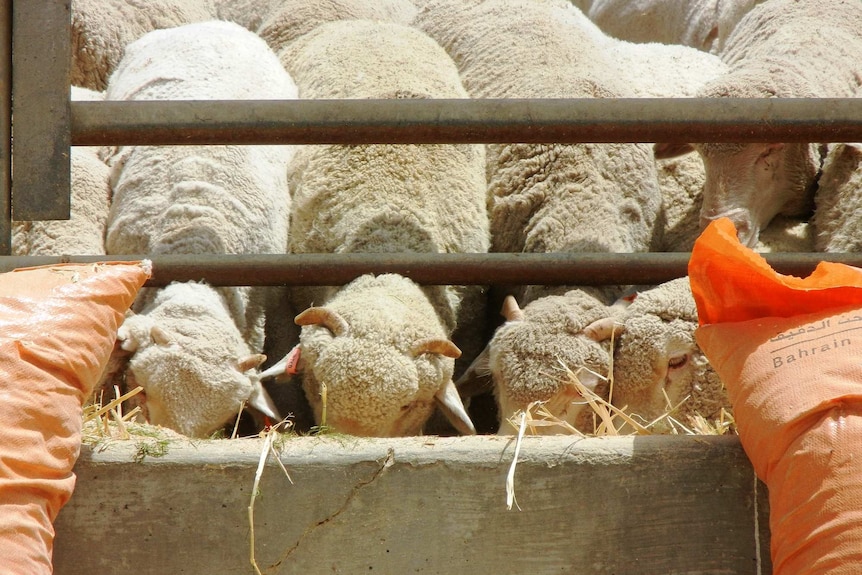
[(428, 269), (467, 121), (5, 127)]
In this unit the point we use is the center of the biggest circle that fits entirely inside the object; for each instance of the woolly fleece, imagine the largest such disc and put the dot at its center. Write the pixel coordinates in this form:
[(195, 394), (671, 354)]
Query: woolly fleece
[(101, 30), (290, 19), (702, 24)]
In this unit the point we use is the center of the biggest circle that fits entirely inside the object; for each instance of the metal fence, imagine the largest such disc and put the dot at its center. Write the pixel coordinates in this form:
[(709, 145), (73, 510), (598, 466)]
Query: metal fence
[(35, 87)]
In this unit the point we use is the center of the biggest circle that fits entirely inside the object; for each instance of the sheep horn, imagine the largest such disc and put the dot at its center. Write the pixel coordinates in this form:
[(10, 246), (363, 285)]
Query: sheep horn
[(160, 336), (450, 404), (510, 310), (603, 329), (431, 345), (325, 317), (244, 364), (262, 402)]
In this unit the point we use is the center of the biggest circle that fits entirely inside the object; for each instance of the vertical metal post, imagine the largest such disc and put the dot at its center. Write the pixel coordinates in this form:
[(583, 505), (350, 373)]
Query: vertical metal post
[(5, 127), (41, 61)]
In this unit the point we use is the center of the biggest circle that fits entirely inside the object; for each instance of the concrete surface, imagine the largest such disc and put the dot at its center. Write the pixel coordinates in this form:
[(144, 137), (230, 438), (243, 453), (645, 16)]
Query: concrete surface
[(632, 505)]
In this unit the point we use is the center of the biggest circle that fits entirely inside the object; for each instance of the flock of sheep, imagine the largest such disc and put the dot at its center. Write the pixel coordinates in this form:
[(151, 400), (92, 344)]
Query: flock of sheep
[(377, 357)]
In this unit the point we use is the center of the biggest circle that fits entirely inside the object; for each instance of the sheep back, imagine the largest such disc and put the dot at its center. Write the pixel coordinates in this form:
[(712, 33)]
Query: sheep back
[(101, 30)]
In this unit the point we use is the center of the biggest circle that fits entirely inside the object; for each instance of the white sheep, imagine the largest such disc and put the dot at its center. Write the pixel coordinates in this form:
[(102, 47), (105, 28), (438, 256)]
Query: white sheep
[(386, 352), (290, 19), (101, 29), (192, 343), (781, 48), (552, 197), (658, 367), (702, 24)]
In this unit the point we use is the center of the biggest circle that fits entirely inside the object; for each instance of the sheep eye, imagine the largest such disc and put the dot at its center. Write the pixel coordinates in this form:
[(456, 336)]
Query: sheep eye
[(678, 361)]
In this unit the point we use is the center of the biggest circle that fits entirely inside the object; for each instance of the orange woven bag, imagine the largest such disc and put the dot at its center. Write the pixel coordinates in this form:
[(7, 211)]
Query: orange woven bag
[(789, 351), (58, 325)]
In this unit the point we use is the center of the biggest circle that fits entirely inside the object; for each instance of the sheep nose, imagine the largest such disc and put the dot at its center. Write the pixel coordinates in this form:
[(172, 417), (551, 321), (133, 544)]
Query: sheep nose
[(746, 231)]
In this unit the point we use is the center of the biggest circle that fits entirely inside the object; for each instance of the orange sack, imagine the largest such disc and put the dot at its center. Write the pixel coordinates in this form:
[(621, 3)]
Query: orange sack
[(58, 325), (789, 351)]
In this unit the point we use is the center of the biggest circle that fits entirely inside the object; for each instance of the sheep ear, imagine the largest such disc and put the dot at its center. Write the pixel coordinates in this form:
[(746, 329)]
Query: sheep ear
[(324, 317), (450, 404), (432, 345), (262, 402), (477, 377), (664, 151), (511, 311), (244, 364), (603, 329), (160, 336), (289, 364)]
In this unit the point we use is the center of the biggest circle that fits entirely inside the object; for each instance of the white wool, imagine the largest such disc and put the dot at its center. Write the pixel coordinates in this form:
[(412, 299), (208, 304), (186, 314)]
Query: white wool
[(290, 19), (84, 232), (200, 199), (658, 364), (700, 24), (382, 198), (838, 213), (101, 30), (785, 49)]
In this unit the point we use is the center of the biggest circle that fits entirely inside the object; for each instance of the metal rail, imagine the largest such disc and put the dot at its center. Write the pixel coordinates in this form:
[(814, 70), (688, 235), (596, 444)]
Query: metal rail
[(428, 269), (467, 121)]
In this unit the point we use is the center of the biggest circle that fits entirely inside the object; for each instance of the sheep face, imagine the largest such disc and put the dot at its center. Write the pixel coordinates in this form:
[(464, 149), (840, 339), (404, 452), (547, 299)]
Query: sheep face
[(188, 394), (752, 183), (375, 363), (368, 388), (191, 360), (655, 366), (533, 356)]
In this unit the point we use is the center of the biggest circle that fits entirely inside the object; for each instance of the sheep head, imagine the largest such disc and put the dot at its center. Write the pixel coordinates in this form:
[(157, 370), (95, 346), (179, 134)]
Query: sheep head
[(367, 371), (657, 362), (752, 183), (533, 356), (193, 384)]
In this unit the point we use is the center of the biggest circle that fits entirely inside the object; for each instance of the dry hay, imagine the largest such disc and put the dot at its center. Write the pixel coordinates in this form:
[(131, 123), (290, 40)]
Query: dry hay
[(608, 420)]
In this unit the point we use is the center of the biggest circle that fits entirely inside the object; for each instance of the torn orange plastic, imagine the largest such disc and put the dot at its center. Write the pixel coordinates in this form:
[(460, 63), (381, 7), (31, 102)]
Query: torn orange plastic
[(789, 351), (58, 325), (730, 282)]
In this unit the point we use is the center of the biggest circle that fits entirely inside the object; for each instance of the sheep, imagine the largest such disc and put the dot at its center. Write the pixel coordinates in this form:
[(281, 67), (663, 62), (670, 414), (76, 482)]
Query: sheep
[(702, 24), (781, 48), (84, 232), (101, 29), (548, 198), (658, 368), (838, 214), (293, 18), (381, 346), (192, 344)]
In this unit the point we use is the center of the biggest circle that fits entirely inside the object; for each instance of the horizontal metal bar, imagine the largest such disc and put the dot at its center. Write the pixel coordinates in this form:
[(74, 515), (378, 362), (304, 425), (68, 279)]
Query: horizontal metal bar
[(428, 269), (467, 121)]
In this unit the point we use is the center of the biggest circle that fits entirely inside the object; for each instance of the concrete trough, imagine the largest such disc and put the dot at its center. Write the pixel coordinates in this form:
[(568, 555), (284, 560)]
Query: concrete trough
[(613, 505)]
